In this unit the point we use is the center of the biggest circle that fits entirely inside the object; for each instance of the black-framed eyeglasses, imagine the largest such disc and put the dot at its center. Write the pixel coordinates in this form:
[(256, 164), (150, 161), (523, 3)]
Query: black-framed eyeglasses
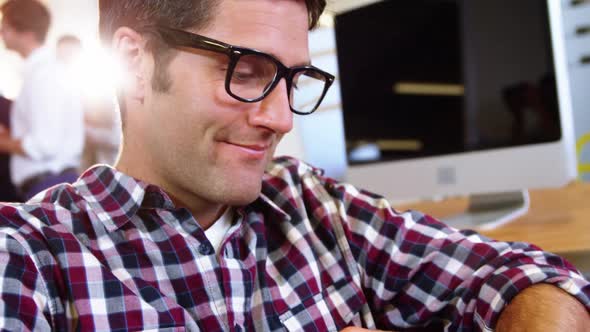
[(252, 75)]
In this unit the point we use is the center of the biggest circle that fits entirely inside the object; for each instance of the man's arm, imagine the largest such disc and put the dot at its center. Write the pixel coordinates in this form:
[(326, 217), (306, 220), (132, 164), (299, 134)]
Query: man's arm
[(421, 270), (541, 307), (8, 145), (544, 307)]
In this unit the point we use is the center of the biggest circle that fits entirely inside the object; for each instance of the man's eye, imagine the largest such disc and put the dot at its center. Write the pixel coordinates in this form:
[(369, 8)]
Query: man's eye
[(244, 75)]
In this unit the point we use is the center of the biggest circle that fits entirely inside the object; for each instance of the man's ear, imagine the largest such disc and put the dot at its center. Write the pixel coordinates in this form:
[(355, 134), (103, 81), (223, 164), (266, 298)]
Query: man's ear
[(129, 47)]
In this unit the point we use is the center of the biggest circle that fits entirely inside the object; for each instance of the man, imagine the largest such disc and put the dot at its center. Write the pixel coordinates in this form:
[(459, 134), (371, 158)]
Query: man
[(68, 50), (47, 133), (101, 118), (188, 232)]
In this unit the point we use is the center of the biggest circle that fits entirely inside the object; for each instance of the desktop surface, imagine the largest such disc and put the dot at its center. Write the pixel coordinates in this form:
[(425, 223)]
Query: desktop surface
[(558, 220)]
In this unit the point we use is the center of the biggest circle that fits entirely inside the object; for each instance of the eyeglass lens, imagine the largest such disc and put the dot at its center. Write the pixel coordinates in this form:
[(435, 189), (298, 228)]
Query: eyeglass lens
[(254, 74), (307, 90)]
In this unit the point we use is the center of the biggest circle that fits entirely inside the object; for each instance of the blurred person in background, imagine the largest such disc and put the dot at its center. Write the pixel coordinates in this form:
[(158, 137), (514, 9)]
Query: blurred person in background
[(102, 128), (68, 50), (103, 131), (47, 129)]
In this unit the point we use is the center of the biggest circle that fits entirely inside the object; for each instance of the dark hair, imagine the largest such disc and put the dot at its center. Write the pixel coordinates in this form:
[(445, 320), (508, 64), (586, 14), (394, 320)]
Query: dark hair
[(179, 14), (139, 15), (27, 16)]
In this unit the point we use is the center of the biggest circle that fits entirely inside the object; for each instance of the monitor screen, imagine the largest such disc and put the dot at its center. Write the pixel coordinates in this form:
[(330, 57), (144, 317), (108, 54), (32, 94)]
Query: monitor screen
[(463, 87), (431, 77)]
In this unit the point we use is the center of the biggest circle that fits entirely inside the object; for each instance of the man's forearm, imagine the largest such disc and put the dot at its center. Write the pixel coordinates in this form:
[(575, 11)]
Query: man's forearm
[(541, 307), (544, 307)]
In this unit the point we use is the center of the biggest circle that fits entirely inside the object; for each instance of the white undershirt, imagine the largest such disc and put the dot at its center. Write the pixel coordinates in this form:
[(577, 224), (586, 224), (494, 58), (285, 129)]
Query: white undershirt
[(217, 231)]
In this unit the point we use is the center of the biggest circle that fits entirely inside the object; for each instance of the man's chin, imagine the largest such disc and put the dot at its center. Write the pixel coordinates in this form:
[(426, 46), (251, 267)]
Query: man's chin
[(243, 196)]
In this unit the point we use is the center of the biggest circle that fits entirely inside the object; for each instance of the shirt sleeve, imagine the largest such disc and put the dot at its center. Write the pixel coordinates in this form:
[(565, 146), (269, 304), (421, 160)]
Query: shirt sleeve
[(23, 299), (417, 271)]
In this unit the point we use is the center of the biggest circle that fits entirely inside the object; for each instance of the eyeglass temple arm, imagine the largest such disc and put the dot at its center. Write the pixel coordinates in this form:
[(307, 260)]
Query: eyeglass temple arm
[(188, 39)]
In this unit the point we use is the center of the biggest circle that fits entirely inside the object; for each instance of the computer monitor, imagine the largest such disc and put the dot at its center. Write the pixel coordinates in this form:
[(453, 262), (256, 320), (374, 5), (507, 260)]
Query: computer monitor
[(456, 97)]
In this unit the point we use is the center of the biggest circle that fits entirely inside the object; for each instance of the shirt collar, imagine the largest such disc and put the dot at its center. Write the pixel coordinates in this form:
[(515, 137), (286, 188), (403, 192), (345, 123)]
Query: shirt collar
[(116, 197), (265, 201)]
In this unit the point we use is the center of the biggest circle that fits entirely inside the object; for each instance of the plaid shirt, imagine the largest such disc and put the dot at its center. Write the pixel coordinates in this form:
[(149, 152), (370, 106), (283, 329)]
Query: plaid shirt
[(114, 253)]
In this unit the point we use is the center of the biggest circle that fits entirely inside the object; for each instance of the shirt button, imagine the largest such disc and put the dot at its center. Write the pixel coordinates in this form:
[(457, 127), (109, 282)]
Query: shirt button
[(205, 249)]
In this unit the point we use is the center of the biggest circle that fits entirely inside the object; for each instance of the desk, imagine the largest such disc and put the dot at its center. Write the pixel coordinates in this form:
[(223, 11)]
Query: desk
[(558, 221)]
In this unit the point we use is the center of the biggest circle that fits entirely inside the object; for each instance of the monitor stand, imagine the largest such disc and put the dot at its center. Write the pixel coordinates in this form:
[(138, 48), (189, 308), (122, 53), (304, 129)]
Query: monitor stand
[(488, 211)]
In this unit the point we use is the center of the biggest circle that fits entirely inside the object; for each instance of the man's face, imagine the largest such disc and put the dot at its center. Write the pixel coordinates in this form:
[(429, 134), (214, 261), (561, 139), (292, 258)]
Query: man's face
[(68, 52), (204, 144)]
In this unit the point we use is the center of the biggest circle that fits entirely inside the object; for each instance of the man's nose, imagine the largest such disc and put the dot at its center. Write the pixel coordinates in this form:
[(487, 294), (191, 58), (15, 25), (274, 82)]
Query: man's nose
[(274, 111)]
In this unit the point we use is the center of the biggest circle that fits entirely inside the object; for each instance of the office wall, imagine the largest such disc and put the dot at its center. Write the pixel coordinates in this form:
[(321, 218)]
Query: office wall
[(577, 40)]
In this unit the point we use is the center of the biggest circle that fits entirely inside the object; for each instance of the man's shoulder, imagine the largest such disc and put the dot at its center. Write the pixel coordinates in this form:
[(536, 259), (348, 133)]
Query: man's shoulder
[(50, 207), (290, 176), (35, 234), (291, 179)]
